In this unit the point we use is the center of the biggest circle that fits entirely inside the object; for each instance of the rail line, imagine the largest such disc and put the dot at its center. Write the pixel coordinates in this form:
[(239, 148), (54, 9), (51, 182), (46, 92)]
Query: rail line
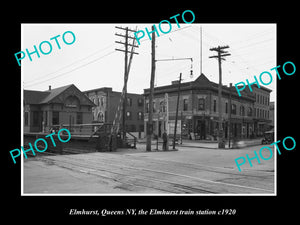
[(140, 175), (94, 170)]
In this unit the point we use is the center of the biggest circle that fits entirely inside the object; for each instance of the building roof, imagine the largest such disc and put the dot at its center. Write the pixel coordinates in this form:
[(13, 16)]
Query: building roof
[(44, 97), (55, 92), (107, 89), (201, 82)]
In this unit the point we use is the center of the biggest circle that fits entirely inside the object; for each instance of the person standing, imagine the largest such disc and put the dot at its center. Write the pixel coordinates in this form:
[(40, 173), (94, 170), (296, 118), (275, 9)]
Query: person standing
[(165, 140)]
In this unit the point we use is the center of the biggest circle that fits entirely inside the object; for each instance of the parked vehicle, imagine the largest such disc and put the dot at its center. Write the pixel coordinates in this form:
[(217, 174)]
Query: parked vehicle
[(268, 137)]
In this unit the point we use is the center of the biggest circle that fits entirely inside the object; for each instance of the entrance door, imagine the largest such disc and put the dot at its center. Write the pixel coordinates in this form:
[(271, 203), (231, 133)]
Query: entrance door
[(201, 129)]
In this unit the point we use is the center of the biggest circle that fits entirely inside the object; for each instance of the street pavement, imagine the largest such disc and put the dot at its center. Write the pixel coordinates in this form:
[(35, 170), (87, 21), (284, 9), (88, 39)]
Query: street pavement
[(187, 170)]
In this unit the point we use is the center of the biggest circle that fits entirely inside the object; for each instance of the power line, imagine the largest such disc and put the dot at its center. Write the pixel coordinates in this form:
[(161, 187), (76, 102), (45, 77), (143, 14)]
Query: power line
[(76, 68), (46, 75)]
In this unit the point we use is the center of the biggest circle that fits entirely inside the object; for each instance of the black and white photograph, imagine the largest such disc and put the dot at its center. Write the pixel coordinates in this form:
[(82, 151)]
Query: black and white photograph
[(158, 113), (198, 136)]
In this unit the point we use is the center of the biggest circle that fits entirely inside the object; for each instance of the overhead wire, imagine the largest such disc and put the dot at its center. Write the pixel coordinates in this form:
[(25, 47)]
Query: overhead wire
[(69, 65), (76, 68)]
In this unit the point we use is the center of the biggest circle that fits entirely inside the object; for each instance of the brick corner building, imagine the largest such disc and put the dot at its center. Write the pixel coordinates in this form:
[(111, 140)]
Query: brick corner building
[(198, 110)]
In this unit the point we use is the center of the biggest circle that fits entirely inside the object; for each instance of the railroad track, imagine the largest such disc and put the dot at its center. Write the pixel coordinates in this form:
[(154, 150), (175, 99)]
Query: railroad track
[(134, 173)]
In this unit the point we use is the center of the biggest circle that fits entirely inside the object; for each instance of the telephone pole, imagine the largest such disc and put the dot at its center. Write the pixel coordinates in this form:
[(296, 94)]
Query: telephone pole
[(151, 94), (176, 115), (221, 54), (126, 70)]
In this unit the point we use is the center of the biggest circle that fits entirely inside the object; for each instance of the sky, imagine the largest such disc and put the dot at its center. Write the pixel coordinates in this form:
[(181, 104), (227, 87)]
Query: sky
[(92, 62)]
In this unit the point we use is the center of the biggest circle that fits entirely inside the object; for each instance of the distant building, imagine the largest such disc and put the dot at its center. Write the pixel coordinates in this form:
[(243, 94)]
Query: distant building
[(63, 105), (271, 115), (106, 102), (262, 117), (198, 115)]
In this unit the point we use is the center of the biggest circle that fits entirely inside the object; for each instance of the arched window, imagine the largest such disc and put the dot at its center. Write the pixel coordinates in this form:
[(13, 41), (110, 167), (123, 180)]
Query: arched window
[(249, 111), (72, 102)]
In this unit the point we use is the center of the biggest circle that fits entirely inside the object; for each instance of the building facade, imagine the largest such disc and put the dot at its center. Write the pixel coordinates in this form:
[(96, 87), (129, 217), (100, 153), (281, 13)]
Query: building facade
[(262, 117), (106, 103), (65, 105), (198, 115)]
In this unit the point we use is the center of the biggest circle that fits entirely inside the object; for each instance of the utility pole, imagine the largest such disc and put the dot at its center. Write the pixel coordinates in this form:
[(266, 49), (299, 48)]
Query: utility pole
[(191, 73), (150, 115), (229, 118), (126, 70), (176, 116), (221, 53)]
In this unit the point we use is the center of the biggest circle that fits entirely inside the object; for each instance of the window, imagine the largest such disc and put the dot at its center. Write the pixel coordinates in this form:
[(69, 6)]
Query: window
[(26, 118), (147, 107), (79, 118), (96, 101), (260, 99), (249, 113), (55, 118), (242, 110), (226, 107), (162, 106), (128, 115), (129, 101), (140, 116), (201, 104), (215, 105), (101, 103), (233, 109), (260, 113), (185, 104), (140, 102)]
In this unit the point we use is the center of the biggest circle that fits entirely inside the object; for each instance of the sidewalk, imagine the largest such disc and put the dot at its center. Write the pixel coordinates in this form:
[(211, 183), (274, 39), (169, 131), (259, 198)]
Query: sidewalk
[(208, 144), (214, 144)]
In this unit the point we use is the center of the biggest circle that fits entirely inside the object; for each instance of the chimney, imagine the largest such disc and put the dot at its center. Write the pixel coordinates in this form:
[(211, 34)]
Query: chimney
[(49, 87)]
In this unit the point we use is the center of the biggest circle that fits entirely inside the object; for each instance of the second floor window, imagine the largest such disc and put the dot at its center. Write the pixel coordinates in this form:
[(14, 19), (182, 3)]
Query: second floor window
[(201, 104), (242, 111), (185, 104), (233, 109), (215, 105)]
